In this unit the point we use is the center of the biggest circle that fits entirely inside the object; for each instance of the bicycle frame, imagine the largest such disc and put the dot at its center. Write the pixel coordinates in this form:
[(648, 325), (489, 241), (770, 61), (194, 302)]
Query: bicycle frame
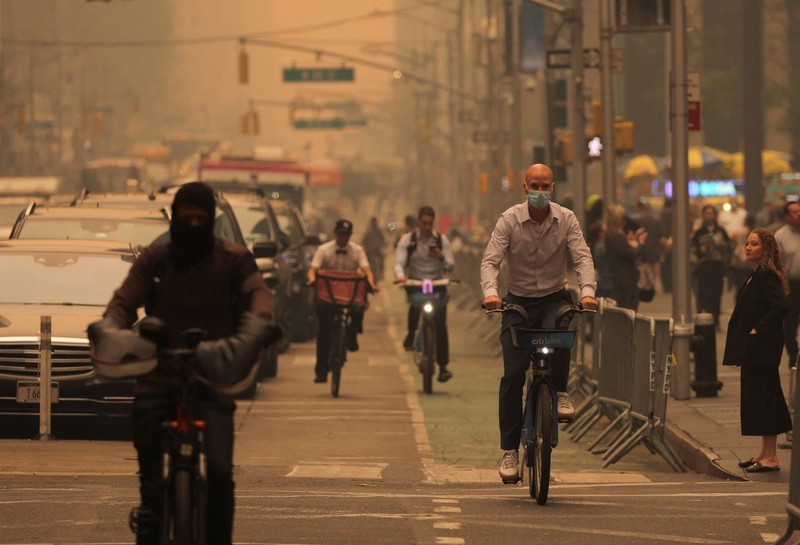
[(428, 299), (337, 352), (184, 476)]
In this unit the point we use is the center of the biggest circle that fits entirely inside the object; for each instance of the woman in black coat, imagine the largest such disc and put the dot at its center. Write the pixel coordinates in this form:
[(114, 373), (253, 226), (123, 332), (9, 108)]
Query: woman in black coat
[(622, 251), (755, 343)]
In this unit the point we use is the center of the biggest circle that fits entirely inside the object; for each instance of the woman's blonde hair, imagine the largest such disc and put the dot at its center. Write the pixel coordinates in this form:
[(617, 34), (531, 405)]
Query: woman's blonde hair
[(771, 258), (615, 218)]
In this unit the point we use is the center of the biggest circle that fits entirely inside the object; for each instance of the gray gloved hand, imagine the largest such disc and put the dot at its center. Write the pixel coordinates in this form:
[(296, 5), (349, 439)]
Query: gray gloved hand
[(227, 361)]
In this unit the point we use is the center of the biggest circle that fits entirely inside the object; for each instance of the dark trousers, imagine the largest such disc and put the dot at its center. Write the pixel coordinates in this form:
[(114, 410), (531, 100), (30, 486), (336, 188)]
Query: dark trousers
[(149, 412), (440, 321), (709, 278), (792, 320), (542, 312), (325, 314)]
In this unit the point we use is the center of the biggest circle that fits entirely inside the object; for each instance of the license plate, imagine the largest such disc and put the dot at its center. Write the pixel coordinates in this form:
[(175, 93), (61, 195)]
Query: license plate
[(29, 392)]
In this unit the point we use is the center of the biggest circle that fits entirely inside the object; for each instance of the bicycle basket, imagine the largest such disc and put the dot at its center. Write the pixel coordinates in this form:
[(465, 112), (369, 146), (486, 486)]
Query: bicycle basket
[(341, 287)]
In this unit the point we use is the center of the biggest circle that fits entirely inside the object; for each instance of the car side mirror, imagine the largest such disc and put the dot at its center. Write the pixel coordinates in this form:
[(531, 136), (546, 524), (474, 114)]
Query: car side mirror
[(265, 248), (312, 240)]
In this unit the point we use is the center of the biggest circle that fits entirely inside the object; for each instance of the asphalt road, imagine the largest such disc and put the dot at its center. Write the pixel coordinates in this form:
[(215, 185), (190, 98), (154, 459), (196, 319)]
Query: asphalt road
[(384, 463)]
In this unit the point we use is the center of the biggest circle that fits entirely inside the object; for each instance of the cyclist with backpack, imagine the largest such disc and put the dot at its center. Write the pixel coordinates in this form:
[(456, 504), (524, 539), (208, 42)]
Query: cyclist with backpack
[(423, 253), (197, 280)]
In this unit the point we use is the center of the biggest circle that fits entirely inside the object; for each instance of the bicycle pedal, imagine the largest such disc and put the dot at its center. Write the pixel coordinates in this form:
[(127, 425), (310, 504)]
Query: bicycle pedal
[(514, 480), (562, 420)]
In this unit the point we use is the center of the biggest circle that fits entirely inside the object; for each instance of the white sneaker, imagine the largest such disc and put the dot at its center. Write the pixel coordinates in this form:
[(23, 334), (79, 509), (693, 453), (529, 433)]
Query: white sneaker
[(509, 467), (566, 409)]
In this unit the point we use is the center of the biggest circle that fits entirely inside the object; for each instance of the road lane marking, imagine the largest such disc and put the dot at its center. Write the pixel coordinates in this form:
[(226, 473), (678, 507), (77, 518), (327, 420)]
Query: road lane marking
[(443, 525), (330, 470), (770, 538)]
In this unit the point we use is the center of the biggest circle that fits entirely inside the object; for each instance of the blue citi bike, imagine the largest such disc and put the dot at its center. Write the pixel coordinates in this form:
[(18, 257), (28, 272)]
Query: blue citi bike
[(540, 415), (423, 295)]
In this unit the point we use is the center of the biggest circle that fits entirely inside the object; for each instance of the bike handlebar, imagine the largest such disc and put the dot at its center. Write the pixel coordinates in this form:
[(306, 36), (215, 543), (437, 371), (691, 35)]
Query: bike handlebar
[(415, 282), (564, 312)]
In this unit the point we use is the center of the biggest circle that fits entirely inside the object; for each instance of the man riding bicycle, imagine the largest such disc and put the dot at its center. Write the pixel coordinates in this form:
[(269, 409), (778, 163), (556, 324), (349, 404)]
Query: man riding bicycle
[(534, 237), (424, 254), (197, 280), (339, 254)]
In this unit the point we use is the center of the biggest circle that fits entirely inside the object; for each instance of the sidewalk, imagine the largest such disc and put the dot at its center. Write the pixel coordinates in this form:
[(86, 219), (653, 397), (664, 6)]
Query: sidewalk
[(705, 431)]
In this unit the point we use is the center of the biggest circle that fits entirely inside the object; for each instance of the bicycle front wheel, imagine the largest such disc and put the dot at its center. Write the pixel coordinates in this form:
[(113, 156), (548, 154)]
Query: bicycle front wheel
[(539, 483), (336, 357), (182, 508), (428, 356)]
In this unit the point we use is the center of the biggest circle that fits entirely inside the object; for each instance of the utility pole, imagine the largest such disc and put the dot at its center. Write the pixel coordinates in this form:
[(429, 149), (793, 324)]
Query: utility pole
[(752, 97), (516, 107), (578, 124), (681, 299), (607, 102)]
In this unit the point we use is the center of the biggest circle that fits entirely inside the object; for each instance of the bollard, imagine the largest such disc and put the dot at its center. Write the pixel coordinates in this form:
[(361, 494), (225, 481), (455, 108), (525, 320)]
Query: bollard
[(45, 382), (680, 348), (704, 347)]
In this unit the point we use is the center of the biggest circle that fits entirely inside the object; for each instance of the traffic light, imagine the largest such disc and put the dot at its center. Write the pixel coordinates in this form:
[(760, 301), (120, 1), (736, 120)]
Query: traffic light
[(597, 117), (623, 136), (244, 67), (98, 124), (483, 183), (21, 122), (564, 148)]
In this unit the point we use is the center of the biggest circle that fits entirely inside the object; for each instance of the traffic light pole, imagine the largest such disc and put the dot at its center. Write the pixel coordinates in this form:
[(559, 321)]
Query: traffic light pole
[(681, 300), (607, 92), (578, 124)]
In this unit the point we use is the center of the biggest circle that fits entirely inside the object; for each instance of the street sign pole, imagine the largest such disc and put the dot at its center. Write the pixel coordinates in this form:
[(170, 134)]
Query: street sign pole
[(681, 300), (607, 93)]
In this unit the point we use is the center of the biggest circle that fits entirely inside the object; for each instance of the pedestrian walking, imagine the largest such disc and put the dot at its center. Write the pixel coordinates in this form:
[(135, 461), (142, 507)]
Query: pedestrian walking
[(755, 343), (788, 239), (711, 249), (622, 252)]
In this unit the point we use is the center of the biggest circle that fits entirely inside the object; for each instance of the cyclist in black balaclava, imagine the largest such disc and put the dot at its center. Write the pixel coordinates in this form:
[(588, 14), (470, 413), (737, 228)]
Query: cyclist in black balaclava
[(192, 227)]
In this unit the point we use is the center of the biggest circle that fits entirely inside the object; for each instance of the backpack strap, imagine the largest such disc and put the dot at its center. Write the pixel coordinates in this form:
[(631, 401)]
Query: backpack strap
[(412, 246)]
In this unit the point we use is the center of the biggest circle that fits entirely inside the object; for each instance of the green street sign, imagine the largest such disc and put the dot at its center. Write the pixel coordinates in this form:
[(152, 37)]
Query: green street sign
[(333, 123), (316, 75)]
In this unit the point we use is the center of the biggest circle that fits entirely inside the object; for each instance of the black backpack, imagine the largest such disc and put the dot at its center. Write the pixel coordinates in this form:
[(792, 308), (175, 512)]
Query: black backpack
[(412, 246)]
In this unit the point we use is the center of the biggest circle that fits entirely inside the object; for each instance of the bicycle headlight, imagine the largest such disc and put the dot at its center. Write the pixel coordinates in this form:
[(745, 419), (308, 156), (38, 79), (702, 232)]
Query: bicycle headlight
[(544, 350), (427, 307)]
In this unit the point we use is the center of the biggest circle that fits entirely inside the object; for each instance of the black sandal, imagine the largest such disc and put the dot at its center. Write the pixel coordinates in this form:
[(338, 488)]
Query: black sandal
[(747, 463)]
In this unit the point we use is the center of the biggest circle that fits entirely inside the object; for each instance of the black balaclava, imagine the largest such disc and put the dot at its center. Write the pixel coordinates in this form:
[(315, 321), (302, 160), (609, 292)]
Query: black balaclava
[(189, 243)]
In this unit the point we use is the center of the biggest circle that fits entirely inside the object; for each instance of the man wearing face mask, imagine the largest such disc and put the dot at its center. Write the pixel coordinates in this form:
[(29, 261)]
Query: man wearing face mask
[(534, 237), (197, 280)]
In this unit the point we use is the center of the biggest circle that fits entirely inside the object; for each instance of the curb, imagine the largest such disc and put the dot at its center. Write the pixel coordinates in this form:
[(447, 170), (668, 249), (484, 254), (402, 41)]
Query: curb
[(695, 455)]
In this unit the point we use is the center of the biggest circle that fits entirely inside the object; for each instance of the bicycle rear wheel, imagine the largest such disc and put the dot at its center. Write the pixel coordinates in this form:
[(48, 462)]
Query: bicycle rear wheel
[(182, 525), (428, 356), (539, 483)]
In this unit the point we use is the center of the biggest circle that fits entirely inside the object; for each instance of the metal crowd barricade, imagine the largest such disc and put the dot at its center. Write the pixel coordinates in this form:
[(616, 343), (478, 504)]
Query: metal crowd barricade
[(651, 366), (793, 507), (615, 379), (587, 411)]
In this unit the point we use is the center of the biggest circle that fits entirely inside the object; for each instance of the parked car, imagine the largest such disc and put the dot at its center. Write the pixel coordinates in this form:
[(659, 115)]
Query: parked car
[(302, 245), (138, 219), (71, 281), (258, 223)]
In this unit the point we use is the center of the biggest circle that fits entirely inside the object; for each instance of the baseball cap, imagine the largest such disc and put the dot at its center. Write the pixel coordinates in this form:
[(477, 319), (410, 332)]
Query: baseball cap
[(343, 226)]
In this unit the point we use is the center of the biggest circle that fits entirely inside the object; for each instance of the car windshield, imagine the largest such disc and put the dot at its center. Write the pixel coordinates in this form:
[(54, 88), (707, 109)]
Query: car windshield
[(253, 222), (140, 231), (9, 213), (61, 278)]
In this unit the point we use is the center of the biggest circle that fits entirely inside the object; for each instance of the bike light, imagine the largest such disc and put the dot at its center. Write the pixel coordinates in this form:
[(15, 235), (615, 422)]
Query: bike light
[(544, 350), (428, 307)]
